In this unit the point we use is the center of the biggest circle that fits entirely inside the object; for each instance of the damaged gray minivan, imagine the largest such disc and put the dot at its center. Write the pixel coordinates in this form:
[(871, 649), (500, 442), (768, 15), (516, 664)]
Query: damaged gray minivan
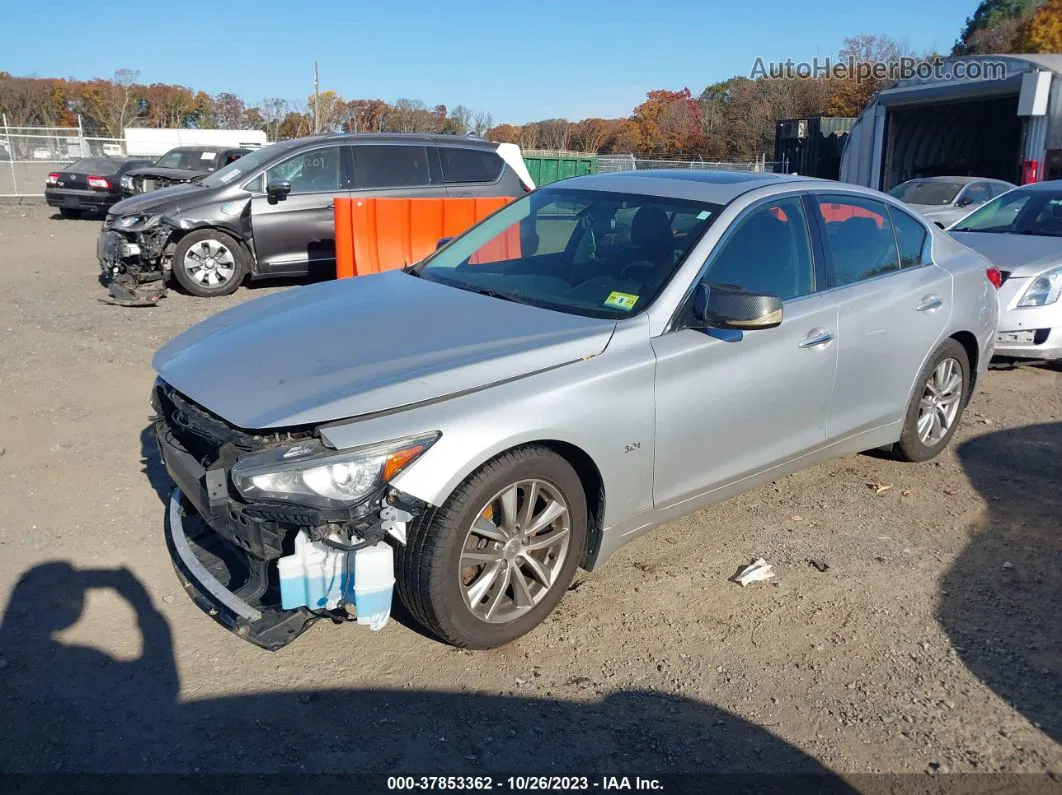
[(271, 212)]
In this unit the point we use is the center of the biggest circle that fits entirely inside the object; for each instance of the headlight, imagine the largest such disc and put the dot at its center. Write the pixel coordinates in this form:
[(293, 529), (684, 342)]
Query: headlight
[(126, 182), (141, 222), (1044, 289), (308, 474)]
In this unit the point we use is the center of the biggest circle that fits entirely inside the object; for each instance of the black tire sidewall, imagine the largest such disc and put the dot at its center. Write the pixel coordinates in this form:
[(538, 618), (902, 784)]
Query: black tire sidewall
[(238, 255), (911, 448), (444, 591)]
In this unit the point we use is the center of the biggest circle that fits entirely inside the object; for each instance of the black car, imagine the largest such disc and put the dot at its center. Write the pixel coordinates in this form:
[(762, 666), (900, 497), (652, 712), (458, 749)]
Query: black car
[(179, 166), (271, 213), (91, 184)]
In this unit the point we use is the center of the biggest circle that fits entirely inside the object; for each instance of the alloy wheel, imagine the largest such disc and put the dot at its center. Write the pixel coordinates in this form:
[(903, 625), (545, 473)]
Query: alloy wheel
[(514, 550), (940, 402)]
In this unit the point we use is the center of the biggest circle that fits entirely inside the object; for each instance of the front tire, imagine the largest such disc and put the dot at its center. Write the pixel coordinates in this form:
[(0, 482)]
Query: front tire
[(937, 403), (209, 263), (497, 557)]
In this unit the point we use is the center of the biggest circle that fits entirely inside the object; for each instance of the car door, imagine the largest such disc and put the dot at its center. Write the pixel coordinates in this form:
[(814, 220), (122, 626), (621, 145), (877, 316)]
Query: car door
[(893, 307), (295, 234), (730, 404)]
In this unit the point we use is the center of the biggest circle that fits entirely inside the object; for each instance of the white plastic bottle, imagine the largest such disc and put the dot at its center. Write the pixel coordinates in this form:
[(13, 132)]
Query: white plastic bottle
[(374, 581)]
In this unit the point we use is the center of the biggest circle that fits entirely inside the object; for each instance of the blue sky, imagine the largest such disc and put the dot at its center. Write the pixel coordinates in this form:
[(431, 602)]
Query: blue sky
[(521, 61)]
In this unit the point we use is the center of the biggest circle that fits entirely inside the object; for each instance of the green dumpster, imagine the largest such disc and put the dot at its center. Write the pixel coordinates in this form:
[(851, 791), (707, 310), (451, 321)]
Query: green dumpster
[(545, 169)]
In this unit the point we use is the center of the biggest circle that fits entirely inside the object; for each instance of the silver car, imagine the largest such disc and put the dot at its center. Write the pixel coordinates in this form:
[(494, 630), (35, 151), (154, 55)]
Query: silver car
[(1019, 232), (599, 357), (944, 200)]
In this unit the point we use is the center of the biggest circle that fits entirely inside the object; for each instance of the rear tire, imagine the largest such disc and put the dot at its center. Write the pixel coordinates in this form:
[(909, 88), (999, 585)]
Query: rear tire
[(937, 404), (457, 573), (69, 213), (209, 263)]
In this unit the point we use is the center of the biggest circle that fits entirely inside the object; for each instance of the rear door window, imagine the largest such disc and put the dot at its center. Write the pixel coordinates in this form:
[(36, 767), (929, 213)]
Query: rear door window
[(912, 239), (387, 166), (859, 238), (469, 165)]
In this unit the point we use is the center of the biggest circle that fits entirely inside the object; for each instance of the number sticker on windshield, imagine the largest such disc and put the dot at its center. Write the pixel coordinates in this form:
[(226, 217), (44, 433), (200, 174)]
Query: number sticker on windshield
[(624, 301)]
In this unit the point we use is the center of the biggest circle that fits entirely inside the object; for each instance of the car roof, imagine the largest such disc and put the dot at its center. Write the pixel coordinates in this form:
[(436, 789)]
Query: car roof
[(379, 138), (1050, 186), (960, 180), (718, 187)]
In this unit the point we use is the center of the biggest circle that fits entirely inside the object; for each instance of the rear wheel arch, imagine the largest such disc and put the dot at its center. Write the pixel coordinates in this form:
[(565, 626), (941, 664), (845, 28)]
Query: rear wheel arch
[(969, 344)]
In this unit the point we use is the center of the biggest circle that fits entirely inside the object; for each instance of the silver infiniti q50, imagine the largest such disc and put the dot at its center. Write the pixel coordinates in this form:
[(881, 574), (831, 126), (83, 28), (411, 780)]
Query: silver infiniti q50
[(598, 357)]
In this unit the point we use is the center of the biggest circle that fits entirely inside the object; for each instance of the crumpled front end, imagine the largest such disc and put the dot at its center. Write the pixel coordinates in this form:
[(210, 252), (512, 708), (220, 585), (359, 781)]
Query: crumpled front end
[(232, 555), (135, 259)]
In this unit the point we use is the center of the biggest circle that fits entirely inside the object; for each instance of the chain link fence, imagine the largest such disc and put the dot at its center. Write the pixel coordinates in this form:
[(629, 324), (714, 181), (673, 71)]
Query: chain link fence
[(29, 154), (610, 163)]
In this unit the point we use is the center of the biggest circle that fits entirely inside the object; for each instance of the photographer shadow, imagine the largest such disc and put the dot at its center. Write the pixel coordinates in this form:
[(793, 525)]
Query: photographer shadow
[(73, 709)]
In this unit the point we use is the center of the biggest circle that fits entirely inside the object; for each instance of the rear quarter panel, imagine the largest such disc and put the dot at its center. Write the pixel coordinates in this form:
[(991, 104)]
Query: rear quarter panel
[(975, 301)]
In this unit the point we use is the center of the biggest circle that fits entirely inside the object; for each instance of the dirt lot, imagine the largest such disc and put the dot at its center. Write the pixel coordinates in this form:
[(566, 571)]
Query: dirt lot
[(933, 642)]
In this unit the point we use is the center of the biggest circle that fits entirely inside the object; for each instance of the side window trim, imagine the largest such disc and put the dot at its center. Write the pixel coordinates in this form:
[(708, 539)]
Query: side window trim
[(675, 322)]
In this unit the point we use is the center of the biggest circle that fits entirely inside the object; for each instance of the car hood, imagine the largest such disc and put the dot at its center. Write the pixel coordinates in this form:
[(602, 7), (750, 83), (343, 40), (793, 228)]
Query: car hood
[(364, 345), (1021, 255), (168, 200), (185, 174)]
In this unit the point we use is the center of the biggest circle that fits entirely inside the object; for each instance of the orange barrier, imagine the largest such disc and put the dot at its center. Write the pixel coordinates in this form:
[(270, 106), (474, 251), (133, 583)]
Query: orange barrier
[(374, 235)]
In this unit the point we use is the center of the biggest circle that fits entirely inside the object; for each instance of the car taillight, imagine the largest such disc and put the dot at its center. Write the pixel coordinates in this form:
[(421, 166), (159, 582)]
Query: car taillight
[(53, 179), (99, 182), (995, 275), (526, 189)]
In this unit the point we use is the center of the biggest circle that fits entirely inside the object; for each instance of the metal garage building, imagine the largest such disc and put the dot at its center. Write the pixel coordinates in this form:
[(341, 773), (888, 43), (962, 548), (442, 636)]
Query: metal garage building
[(1008, 127)]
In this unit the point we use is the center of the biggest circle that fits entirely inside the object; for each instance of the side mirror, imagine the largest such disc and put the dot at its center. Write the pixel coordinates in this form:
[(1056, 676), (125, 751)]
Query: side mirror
[(278, 190), (731, 308), (964, 202), (442, 242)]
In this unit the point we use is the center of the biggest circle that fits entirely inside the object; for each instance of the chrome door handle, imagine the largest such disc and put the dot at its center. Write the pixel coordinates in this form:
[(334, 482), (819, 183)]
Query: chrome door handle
[(929, 303), (816, 337)]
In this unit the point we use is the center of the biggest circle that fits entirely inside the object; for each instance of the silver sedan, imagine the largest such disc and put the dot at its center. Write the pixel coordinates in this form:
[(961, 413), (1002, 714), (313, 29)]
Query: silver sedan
[(1020, 232), (599, 357)]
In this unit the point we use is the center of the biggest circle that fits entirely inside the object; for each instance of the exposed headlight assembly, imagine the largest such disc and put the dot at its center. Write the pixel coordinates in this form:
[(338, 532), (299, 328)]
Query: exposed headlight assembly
[(306, 473), (1044, 289), (126, 182), (140, 222)]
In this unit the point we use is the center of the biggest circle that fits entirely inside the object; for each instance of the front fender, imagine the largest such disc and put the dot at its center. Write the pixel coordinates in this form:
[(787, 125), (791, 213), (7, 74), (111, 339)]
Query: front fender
[(603, 406)]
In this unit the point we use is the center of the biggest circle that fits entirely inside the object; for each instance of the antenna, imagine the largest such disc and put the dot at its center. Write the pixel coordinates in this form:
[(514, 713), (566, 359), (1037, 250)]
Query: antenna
[(316, 123)]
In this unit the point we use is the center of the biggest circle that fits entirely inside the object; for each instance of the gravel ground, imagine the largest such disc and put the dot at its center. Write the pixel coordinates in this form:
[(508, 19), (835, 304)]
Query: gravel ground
[(932, 643)]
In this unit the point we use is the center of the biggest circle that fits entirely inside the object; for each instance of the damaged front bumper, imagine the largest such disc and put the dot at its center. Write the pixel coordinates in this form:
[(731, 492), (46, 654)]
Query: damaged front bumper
[(134, 264), (225, 549), (204, 565)]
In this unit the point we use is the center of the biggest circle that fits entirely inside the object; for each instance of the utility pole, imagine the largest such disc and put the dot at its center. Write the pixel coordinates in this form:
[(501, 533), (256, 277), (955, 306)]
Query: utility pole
[(316, 116)]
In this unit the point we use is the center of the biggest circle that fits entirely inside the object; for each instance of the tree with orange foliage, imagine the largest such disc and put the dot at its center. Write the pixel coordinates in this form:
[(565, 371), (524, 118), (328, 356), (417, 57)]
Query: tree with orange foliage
[(1042, 32)]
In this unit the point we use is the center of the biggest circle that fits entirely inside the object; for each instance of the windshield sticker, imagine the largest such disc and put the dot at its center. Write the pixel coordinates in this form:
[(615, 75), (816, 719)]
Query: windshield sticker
[(702, 215), (624, 301), (207, 155)]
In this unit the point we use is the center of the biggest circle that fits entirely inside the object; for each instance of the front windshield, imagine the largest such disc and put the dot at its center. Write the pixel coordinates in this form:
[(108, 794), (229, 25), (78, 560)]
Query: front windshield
[(925, 192), (245, 165), (1019, 212), (188, 159), (593, 253)]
